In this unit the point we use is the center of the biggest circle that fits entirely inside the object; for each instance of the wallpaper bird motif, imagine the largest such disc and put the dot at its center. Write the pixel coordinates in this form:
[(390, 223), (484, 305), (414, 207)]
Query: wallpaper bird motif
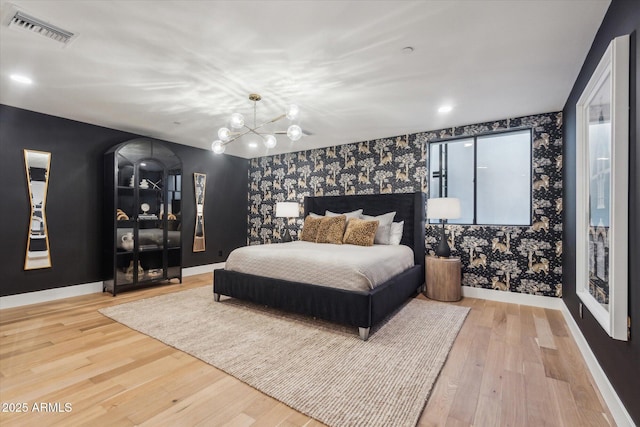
[(523, 259)]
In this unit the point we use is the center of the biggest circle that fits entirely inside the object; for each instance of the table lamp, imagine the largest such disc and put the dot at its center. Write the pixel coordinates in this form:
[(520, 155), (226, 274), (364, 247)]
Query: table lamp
[(287, 210), (443, 208)]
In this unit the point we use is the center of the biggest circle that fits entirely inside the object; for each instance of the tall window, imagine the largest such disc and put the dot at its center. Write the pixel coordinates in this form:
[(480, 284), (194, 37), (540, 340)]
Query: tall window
[(490, 174)]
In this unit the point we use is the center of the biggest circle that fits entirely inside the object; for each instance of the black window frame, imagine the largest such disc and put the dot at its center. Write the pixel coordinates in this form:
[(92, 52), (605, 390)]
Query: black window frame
[(443, 186)]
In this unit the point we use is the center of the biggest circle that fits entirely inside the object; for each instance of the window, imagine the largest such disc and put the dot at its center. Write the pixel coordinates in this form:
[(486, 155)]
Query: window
[(490, 174)]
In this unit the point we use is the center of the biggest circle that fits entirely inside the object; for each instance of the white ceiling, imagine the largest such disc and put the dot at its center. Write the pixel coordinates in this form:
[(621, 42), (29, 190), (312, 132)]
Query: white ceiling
[(175, 70)]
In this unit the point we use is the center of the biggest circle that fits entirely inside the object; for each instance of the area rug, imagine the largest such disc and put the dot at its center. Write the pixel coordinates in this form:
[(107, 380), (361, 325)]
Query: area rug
[(318, 368)]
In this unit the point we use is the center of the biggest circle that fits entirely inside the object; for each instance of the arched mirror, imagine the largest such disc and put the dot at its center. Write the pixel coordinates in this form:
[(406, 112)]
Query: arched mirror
[(200, 181), (37, 164)]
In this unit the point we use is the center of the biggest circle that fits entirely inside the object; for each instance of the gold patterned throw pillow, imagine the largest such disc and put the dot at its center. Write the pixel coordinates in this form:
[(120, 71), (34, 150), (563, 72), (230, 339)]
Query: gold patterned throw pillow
[(331, 229), (310, 228), (360, 232)]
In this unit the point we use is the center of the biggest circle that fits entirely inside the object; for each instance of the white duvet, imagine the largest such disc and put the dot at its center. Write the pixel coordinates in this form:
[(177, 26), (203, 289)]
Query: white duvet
[(348, 267)]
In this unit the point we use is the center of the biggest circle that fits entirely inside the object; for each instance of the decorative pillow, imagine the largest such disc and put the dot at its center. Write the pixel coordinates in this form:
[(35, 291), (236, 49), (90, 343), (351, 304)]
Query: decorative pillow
[(315, 215), (310, 228), (360, 232), (331, 229), (396, 233), (384, 228)]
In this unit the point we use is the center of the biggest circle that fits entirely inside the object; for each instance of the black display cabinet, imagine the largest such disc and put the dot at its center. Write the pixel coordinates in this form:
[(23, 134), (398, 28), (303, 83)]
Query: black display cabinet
[(142, 211)]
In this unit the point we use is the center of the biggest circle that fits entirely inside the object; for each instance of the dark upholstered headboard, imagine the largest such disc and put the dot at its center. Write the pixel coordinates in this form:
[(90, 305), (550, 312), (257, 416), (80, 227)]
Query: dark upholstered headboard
[(409, 207)]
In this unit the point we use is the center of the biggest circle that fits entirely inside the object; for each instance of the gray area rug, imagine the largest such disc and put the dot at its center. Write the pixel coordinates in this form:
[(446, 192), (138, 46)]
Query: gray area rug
[(320, 369)]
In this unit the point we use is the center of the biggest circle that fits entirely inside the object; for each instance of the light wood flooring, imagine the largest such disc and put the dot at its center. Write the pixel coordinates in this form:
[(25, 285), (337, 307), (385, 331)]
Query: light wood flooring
[(511, 365)]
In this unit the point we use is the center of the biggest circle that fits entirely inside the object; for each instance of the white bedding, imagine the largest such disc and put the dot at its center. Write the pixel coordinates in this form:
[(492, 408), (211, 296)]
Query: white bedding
[(350, 267)]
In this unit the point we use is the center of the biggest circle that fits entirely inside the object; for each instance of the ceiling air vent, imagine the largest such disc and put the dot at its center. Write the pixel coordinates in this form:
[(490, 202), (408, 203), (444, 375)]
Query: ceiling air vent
[(35, 25)]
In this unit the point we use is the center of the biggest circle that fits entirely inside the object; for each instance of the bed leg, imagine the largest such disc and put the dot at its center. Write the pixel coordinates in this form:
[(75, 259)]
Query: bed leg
[(364, 333), (216, 297)]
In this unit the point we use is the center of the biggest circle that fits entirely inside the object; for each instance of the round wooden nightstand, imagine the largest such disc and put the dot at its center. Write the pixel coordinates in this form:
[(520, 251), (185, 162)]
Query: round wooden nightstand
[(443, 276)]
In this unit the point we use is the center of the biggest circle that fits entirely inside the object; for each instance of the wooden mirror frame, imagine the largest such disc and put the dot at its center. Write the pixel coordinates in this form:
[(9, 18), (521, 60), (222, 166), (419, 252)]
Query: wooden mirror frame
[(37, 166), (200, 183)]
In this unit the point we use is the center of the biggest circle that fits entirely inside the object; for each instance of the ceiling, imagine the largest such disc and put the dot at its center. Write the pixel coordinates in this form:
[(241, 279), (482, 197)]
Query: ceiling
[(175, 70)]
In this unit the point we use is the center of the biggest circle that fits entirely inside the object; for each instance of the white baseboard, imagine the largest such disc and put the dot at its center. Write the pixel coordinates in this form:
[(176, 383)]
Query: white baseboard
[(27, 298), (513, 297), (618, 411), (18, 300), (201, 269)]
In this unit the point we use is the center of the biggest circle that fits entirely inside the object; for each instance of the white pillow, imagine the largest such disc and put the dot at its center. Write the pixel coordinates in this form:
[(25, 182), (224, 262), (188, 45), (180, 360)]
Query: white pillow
[(396, 233), (315, 215), (384, 227), (349, 215)]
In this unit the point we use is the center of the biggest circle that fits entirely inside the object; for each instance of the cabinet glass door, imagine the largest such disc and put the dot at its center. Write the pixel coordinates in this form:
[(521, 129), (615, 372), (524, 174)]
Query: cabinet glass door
[(125, 222), (149, 210), (174, 223)]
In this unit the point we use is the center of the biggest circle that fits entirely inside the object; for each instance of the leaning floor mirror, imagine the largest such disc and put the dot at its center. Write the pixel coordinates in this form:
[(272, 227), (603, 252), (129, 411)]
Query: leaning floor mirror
[(37, 164), (602, 166), (200, 182)]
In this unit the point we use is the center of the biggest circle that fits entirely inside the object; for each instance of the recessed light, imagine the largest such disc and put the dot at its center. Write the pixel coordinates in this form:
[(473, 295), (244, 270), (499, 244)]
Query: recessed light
[(445, 109), (253, 145), (407, 50), (21, 79)]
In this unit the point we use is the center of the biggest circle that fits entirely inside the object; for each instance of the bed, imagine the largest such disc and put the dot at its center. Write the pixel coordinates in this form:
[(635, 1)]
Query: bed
[(361, 308)]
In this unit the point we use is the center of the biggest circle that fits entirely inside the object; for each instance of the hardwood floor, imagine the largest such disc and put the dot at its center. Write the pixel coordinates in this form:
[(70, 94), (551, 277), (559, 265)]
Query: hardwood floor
[(510, 365)]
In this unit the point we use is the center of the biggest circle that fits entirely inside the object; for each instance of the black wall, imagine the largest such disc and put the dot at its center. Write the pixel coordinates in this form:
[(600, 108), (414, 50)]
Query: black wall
[(620, 360), (74, 200)]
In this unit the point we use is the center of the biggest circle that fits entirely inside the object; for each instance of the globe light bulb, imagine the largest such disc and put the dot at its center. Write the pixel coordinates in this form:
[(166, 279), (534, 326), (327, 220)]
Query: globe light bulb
[(270, 141), (217, 146), (236, 120), (224, 134), (294, 132), (293, 112)]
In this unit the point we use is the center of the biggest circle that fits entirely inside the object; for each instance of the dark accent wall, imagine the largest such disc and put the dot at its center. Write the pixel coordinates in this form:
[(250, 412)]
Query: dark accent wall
[(620, 360), (523, 259), (74, 200)]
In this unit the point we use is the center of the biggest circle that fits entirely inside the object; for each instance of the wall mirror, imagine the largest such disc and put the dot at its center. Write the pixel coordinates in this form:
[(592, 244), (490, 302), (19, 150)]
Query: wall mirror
[(37, 165), (200, 181), (602, 137)]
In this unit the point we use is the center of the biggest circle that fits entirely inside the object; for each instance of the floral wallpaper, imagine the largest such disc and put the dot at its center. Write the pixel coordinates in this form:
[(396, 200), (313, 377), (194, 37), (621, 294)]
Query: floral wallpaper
[(524, 259)]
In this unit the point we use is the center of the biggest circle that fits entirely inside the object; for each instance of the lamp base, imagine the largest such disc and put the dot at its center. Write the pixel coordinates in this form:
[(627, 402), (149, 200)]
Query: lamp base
[(443, 250), (287, 236)]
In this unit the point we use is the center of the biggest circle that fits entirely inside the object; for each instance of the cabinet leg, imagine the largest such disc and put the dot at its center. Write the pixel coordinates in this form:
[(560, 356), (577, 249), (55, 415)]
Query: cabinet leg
[(216, 297)]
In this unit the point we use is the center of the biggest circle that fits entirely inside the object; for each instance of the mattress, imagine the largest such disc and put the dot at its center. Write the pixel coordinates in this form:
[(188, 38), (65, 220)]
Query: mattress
[(350, 267)]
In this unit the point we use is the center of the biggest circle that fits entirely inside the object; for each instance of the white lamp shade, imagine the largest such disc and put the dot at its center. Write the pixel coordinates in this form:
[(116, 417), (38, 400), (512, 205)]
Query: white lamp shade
[(443, 208), (287, 210)]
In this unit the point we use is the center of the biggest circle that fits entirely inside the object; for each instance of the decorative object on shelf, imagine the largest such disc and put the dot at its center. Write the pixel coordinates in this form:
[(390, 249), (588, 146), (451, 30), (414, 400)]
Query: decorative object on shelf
[(37, 165), (239, 128), (127, 242), (602, 191), (154, 272), (154, 185), (443, 208), (144, 184), (129, 273), (132, 181), (287, 210), (121, 215), (145, 208), (200, 182)]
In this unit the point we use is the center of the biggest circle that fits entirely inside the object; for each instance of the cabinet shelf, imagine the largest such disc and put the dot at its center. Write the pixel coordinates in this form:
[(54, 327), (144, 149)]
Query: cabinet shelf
[(156, 255)]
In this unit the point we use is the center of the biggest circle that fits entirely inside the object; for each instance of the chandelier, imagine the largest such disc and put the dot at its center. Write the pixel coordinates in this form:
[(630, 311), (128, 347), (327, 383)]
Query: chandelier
[(239, 128)]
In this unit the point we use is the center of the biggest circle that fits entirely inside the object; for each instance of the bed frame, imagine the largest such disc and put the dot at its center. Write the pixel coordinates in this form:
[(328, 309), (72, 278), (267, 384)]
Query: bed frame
[(354, 308)]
